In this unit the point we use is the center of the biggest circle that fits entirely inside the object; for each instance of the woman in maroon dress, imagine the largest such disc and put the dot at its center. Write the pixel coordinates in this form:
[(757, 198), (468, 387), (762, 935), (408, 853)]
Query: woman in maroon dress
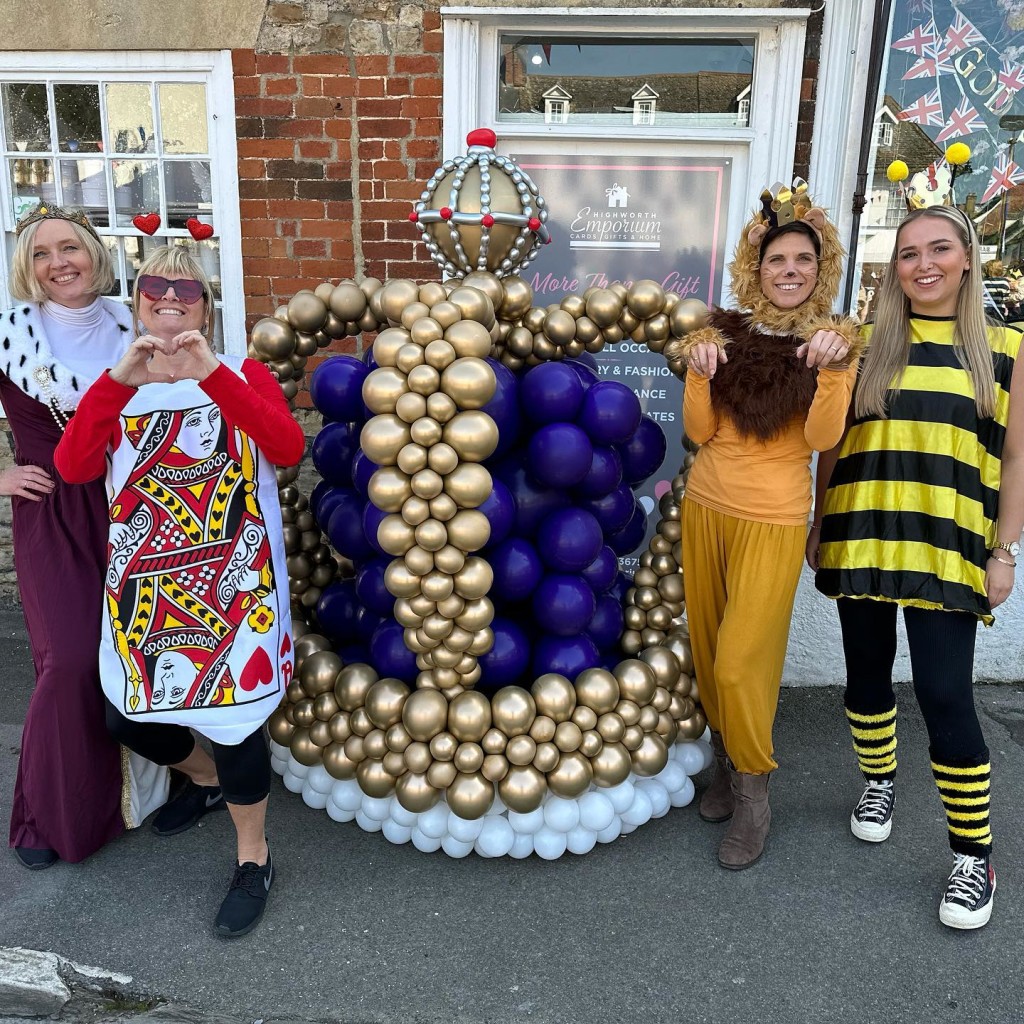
[(76, 789)]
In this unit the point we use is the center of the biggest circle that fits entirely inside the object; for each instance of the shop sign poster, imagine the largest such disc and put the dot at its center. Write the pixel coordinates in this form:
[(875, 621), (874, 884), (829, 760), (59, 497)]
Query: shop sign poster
[(626, 219)]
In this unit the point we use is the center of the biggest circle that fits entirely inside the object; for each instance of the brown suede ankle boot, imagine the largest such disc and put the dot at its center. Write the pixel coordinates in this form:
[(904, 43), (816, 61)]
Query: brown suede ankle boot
[(744, 842), (717, 803)]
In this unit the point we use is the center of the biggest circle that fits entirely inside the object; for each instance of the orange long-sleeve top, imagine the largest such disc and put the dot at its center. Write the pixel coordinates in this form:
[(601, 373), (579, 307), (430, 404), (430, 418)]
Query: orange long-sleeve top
[(769, 481)]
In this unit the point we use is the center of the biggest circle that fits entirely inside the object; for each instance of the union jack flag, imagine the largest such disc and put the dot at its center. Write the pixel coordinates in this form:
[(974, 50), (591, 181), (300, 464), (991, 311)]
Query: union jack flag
[(919, 39), (927, 111), (931, 65), (960, 35), (1011, 81), (963, 121), (1005, 174)]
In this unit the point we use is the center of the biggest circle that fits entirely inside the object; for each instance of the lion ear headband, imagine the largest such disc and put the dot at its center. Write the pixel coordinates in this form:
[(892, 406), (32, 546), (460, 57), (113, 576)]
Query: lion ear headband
[(784, 204)]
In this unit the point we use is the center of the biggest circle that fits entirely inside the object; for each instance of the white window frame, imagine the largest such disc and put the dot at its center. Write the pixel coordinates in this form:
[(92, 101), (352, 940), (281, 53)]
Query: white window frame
[(556, 111), (214, 69), (643, 112), (883, 133)]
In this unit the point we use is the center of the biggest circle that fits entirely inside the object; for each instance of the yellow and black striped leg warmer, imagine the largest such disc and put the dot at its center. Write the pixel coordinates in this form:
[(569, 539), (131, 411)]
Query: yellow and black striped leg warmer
[(874, 742), (964, 790)]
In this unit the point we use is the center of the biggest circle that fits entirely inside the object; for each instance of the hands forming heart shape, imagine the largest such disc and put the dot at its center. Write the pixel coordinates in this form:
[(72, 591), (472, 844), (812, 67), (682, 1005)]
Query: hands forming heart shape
[(186, 356)]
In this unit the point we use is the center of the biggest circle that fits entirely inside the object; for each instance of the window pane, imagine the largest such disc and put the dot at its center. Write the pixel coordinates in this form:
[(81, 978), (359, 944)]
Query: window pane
[(111, 244), (78, 118), (85, 185), (136, 189), (189, 191), (31, 183), (130, 118), (208, 254), (183, 118), (26, 120), (687, 82)]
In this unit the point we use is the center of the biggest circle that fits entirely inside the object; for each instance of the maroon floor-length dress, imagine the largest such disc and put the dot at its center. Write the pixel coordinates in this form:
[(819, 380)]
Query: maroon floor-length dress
[(68, 793)]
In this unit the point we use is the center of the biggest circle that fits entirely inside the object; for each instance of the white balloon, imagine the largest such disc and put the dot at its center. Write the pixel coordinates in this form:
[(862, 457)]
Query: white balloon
[(627, 828), (454, 848), (462, 829), (549, 844), (292, 782), (658, 795), (709, 752), (366, 823), (400, 816), (425, 843), (596, 811), (311, 798), (337, 813), (612, 832), (690, 757), (496, 837), (395, 833), (561, 814), (376, 807), (497, 806), (522, 846), (297, 769), (580, 840), (434, 822), (672, 776), (639, 812), (320, 779), (279, 751), (621, 795), (682, 796), (347, 794), (528, 823), (279, 764)]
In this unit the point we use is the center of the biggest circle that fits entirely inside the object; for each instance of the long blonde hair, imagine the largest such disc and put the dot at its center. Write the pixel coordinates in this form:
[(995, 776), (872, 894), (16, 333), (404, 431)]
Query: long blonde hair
[(25, 287), (889, 349)]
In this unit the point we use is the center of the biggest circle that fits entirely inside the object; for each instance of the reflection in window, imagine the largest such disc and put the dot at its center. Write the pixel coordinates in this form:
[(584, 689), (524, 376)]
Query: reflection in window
[(678, 82)]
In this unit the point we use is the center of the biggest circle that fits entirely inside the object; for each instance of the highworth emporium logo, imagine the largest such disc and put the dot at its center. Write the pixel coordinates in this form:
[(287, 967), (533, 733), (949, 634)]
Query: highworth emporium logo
[(615, 226)]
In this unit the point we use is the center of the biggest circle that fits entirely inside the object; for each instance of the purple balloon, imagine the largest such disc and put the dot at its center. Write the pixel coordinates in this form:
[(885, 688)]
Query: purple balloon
[(568, 656), (643, 453), (371, 590), (604, 475), (503, 408), (371, 518), (337, 611), (326, 503), (564, 604), (508, 659), (560, 454), (362, 469), (345, 527), (371, 363), (334, 448), (602, 571), (610, 413), (625, 541), (366, 624), (586, 371), (608, 622), (336, 388), (569, 540), (612, 511), (551, 393), (390, 655), (500, 510), (517, 569), (623, 581), (533, 502)]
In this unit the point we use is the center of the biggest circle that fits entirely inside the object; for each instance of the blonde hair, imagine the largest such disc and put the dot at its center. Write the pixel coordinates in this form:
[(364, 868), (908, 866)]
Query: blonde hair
[(174, 262), (25, 287), (889, 350)]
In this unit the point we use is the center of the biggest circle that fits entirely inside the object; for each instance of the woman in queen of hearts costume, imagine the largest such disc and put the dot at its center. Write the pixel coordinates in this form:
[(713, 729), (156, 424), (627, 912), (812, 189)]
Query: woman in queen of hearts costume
[(196, 622), (75, 789)]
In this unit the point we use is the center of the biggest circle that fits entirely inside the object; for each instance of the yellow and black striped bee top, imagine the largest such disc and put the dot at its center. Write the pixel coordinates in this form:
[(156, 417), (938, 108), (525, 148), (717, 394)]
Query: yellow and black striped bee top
[(910, 512)]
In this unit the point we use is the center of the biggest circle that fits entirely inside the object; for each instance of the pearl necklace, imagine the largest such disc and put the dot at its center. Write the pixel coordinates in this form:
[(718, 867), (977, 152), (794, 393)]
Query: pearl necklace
[(42, 378)]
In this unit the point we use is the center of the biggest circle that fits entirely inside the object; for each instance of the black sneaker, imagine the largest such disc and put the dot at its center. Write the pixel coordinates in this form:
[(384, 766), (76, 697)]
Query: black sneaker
[(872, 817), (183, 811), (246, 900), (36, 859), (967, 902)]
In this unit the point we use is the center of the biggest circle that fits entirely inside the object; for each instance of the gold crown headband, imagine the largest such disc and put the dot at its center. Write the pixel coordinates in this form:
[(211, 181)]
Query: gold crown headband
[(783, 204), (46, 211)]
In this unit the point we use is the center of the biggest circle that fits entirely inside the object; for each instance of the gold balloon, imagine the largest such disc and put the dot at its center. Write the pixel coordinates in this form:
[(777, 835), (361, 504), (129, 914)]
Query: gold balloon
[(568, 736), (679, 644), (628, 711), (443, 507), (424, 380), (495, 767), (417, 755), (374, 744), (389, 488), (632, 737), (612, 765), (303, 714), (554, 696), (470, 795), (395, 535), (469, 757), (443, 459), (280, 728), (521, 749), (383, 437), (469, 530), (584, 717), (651, 756), (439, 354), (692, 728), (446, 313), (611, 727), (469, 382), (604, 307), (476, 614), (598, 689), (410, 407), (483, 641), (648, 718), (519, 342), (637, 680), (413, 312), (415, 794), (560, 326), (352, 684), (273, 339), (546, 757), (473, 303), (440, 407), (360, 722), (543, 729), (469, 716), (571, 776), (516, 298), (339, 726), (427, 484), (591, 744), (307, 312), (645, 299), (400, 580), (665, 666), (432, 292), (473, 434), (469, 484), (441, 774), (426, 331), (495, 740), (395, 296), (424, 714), (431, 535), (412, 458), (394, 764), (373, 779), (338, 763), (303, 749), (474, 579), (385, 701), (485, 282), (408, 357), (347, 301), (687, 315), (437, 586), (325, 707), (443, 746), (319, 672), (306, 645), (523, 788)]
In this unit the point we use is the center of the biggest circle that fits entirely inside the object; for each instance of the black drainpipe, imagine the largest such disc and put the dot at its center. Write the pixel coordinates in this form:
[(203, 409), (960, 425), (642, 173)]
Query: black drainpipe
[(883, 9)]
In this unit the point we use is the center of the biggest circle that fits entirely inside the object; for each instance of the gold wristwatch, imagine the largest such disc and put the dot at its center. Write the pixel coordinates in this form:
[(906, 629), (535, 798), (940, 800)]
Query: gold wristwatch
[(1011, 547)]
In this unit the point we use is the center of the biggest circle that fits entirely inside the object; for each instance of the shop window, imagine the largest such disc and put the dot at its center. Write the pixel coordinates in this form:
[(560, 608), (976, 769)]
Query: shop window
[(123, 145)]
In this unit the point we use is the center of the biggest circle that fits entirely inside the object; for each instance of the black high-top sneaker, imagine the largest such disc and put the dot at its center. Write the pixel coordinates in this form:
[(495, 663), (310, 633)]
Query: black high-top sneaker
[(967, 902), (872, 817)]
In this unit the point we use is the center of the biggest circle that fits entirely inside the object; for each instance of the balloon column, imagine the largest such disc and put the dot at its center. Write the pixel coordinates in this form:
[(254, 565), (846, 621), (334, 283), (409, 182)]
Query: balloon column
[(459, 674)]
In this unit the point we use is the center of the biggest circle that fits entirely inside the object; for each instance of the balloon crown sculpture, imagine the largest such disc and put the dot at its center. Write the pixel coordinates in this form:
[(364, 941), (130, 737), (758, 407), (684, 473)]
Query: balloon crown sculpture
[(934, 186), (473, 670)]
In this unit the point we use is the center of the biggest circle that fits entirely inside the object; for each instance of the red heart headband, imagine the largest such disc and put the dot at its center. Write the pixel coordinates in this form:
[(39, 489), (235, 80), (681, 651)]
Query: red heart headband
[(149, 223)]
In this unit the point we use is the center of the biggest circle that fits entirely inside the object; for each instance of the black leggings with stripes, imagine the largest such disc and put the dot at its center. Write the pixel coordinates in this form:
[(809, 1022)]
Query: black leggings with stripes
[(942, 663), (243, 770)]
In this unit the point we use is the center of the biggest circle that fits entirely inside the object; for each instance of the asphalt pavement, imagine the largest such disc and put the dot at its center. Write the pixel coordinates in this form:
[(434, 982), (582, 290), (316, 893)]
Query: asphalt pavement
[(649, 928)]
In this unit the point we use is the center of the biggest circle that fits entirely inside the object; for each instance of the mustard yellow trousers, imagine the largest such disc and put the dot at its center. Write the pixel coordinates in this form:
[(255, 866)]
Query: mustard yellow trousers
[(740, 577)]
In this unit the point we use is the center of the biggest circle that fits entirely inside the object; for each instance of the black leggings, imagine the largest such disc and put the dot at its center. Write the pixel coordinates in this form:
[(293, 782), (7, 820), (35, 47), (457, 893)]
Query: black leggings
[(243, 770), (942, 664)]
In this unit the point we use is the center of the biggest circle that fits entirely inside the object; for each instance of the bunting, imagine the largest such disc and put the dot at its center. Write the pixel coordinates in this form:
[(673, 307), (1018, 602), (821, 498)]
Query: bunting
[(925, 111), (965, 120), (1005, 174)]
